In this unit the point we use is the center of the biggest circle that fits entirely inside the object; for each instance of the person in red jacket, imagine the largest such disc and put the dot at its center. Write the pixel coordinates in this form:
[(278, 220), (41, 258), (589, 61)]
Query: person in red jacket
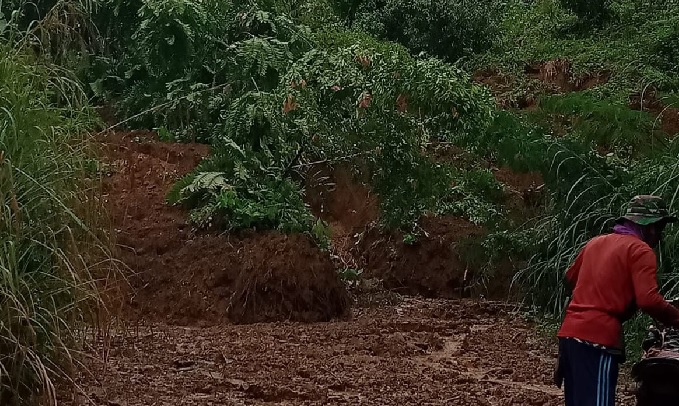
[(612, 277)]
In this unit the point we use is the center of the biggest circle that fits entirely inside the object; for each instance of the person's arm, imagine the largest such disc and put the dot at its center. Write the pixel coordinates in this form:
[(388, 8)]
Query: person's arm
[(648, 298)]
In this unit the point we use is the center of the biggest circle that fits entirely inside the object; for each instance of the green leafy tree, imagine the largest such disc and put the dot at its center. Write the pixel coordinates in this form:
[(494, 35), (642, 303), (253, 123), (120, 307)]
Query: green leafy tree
[(449, 29)]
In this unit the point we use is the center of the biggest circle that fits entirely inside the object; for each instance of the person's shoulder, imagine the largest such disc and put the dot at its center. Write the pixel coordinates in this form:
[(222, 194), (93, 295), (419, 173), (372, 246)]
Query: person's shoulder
[(629, 241)]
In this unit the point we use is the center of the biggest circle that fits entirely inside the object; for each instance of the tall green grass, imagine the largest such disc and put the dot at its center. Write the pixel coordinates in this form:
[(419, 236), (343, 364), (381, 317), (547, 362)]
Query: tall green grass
[(586, 206), (49, 207)]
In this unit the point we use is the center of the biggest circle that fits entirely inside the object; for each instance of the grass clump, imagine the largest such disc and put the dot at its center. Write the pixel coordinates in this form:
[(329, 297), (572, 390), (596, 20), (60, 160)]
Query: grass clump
[(48, 204)]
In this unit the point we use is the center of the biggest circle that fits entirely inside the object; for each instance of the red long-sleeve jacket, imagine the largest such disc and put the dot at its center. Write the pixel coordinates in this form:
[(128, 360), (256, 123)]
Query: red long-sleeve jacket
[(612, 277)]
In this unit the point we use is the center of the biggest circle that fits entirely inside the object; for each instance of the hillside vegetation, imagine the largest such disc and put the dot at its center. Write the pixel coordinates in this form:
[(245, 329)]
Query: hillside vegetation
[(585, 93)]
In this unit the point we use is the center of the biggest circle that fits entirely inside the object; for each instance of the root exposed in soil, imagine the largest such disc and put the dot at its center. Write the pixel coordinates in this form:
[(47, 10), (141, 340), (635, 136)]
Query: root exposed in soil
[(559, 74), (287, 278)]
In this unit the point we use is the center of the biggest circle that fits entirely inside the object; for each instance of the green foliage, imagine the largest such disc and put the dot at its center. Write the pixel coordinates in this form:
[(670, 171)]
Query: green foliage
[(474, 194), (351, 276), (627, 45), (666, 47), (48, 213), (358, 102), (607, 124), (347, 9), (350, 103), (450, 29), (591, 11), (270, 95), (587, 208), (59, 30), (244, 199), (181, 63)]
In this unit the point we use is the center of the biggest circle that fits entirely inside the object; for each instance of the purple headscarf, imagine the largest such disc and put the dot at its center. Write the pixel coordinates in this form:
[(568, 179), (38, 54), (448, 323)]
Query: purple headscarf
[(630, 228)]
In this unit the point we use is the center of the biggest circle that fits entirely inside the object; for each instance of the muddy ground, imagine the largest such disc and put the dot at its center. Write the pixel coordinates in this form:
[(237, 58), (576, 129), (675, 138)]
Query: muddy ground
[(182, 343), (405, 352)]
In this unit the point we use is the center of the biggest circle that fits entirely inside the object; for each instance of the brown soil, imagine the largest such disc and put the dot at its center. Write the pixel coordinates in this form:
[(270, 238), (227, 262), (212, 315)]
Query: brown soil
[(340, 198), (503, 87), (431, 266), (668, 116), (415, 352), (182, 276), (287, 278), (526, 190), (452, 154), (551, 77), (559, 74), (348, 206)]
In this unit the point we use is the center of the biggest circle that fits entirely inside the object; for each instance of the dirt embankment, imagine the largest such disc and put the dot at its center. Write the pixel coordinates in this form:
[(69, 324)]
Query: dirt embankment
[(432, 265), (410, 351), (557, 76), (435, 264), (560, 75), (551, 77)]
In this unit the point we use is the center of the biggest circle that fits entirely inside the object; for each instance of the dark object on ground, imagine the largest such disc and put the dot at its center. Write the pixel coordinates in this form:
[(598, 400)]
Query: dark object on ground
[(657, 373)]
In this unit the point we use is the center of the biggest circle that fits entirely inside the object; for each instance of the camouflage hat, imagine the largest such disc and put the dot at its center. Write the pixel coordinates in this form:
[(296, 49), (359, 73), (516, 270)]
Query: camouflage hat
[(645, 210)]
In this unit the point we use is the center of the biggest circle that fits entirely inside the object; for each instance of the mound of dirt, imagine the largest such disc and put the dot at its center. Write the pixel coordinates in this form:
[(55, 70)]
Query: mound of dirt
[(502, 85), (185, 277), (166, 261), (286, 277), (551, 77), (432, 266)]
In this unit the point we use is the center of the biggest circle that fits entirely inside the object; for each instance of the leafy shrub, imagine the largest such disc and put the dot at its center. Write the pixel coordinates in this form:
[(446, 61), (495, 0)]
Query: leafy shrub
[(260, 203), (179, 64), (362, 102), (665, 51), (347, 9), (450, 29), (376, 107)]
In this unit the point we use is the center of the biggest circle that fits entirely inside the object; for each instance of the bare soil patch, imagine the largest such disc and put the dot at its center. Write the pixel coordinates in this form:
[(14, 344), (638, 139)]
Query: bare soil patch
[(396, 350), (430, 266), (287, 278), (559, 74)]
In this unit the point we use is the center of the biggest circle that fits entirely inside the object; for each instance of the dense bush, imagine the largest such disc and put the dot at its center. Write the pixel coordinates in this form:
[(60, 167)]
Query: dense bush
[(450, 29), (665, 50), (347, 9), (592, 11)]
